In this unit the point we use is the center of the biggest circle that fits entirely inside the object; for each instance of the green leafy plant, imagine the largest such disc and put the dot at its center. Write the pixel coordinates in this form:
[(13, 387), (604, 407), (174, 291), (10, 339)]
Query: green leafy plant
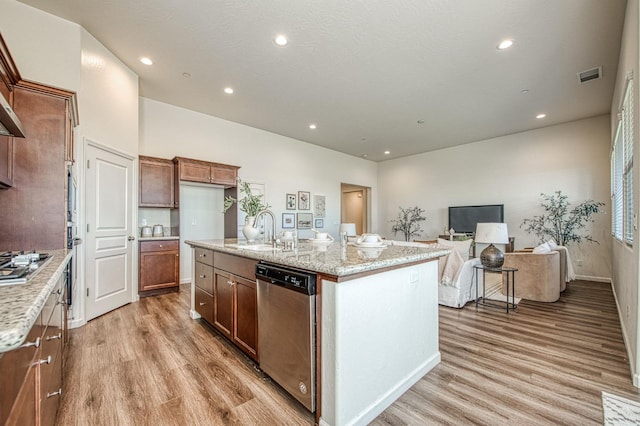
[(408, 222), (560, 223), (250, 204)]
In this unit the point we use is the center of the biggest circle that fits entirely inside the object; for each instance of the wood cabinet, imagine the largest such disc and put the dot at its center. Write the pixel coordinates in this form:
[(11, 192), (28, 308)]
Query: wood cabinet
[(235, 301), (9, 76), (159, 270), (156, 183), (31, 376), (203, 280), (205, 172)]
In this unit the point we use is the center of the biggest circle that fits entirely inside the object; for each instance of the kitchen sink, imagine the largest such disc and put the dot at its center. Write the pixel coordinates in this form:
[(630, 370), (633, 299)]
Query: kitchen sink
[(254, 247)]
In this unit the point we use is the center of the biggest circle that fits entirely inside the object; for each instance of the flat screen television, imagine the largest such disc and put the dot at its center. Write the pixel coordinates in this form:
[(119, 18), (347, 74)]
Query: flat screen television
[(463, 219)]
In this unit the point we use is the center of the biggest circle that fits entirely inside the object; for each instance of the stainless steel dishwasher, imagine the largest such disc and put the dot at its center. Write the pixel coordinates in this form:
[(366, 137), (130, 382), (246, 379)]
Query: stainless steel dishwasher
[(287, 329)]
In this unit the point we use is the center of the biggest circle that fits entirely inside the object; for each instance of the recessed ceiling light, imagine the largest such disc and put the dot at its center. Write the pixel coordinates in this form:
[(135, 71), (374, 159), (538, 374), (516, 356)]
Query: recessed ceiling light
[(420, 121), (186, 75), (524, 91), (387, 152), (505, 44), (146, 61), (228, 90), (364, 155), (312, 126), (541, 116), (281, 40)]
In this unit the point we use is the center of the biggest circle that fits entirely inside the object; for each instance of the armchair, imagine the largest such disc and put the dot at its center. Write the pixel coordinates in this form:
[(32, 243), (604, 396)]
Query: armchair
[(538, 277)]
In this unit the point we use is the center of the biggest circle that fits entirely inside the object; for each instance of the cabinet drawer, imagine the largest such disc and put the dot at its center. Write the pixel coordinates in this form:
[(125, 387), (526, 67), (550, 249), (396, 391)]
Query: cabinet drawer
[(204, 255), (162, 245), (204, 304), (237, 265), (204, 277)]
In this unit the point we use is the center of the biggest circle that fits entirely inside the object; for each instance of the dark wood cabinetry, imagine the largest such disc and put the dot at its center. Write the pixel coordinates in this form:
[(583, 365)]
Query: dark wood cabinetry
[(31, 376), (204, 283), (6, 147), (205, 172), (157, 182), (235, 301), (159, 267)]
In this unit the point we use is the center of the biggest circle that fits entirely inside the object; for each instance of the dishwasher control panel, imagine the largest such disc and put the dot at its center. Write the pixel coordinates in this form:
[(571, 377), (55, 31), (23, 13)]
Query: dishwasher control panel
[(294, 279)]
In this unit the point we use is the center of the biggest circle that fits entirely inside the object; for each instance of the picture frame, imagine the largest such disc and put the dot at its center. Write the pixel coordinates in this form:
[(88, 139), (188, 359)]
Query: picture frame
[(291, 201), (304, 220), (304, 200), (288, 220), (319, 223), (319, 205)]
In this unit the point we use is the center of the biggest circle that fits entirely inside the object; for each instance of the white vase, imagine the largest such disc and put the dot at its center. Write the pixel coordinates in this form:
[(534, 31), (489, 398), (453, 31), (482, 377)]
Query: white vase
[(249, 232)]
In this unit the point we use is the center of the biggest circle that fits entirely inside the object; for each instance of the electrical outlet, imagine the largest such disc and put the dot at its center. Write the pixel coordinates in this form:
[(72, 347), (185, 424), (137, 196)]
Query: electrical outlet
[(579, 262)]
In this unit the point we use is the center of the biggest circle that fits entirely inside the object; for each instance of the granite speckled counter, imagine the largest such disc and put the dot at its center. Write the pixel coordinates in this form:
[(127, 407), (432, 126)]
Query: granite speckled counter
[(330, 258), (21, 303)]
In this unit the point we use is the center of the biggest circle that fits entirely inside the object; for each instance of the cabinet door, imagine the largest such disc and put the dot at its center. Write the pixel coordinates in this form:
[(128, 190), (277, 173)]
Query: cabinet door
[(6, 150), (24, 410), (245, 332), (223, 175), (223, 302), (156, 182), (195, 172), (158, 269)]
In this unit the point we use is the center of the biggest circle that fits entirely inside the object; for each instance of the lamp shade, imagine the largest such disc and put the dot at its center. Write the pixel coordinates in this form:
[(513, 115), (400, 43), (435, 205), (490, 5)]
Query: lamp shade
[(349, 228), (489, 232)]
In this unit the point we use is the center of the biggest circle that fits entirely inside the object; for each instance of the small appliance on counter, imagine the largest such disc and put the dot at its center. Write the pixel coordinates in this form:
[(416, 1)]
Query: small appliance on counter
[(145, 231), (158, 231)]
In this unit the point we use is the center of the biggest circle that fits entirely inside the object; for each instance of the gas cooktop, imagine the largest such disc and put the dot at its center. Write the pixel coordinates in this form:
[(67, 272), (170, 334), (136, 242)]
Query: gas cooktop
[(16, 267)]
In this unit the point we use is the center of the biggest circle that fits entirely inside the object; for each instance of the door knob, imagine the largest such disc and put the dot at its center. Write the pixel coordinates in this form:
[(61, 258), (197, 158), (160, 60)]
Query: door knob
[(131, 238)]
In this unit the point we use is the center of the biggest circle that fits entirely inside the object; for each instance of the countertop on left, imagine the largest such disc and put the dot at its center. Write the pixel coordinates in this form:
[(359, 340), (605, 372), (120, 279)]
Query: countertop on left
[(20, 304)]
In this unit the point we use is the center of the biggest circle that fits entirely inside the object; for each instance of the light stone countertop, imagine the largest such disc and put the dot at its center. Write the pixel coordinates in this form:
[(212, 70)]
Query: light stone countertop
[(20, 304), (331, 258), (172, 237)]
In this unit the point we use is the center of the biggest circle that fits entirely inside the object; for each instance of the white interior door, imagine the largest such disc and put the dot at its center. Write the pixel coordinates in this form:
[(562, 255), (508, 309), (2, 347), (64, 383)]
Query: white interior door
[(109, 236)]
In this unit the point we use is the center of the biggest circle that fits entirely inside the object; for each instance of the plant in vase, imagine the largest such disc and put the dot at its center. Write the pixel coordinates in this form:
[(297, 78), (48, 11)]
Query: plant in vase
[(251, 204), (408, 222)]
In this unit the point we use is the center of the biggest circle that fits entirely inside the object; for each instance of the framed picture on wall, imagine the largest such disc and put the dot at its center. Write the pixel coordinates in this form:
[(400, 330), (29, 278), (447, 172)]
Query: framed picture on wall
[(319, 223), (291, 201), (305, 220), (319, 203), (304, 200), (288, 220)]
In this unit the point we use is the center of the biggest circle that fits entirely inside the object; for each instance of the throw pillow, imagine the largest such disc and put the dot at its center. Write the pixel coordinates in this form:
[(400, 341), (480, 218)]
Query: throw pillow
[(461, 247), (542, 249)]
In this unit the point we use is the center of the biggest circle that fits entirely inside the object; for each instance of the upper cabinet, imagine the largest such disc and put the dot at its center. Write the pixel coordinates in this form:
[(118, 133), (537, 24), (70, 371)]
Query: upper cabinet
[(205, 172), (157, 183)]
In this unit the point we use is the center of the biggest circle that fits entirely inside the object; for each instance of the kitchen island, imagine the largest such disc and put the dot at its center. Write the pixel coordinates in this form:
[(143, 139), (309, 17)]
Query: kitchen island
[(376, 320)]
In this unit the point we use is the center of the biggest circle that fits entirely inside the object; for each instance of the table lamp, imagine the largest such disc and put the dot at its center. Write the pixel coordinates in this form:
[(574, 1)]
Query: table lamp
[(492, 257), (349, 228)]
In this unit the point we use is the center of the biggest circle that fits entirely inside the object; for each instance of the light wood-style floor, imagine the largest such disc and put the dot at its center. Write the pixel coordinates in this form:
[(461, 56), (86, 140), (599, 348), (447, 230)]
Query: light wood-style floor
[(149, 364)]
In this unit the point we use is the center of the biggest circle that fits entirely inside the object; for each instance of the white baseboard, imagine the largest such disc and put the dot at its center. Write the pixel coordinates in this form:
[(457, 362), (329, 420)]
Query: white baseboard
[(194, 315), (185, 281), (625, 337), (596, 279), (75, 323)]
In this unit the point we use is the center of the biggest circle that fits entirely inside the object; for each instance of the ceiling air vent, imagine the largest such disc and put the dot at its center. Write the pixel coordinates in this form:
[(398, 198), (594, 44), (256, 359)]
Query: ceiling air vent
[(592, 74)]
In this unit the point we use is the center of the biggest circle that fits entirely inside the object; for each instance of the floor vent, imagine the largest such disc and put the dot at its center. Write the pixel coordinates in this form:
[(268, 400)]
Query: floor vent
[(588, 75)]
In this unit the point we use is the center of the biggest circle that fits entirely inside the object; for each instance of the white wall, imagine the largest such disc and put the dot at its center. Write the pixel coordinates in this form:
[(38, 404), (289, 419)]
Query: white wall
[(283, 164), (511, 170), (625, 258)]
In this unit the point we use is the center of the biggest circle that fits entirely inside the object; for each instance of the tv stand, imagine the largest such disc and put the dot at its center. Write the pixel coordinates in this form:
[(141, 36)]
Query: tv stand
[(508, 248)]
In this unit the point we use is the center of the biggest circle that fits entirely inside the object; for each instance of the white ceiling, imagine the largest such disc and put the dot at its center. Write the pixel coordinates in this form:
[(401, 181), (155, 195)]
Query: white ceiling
[(365, 71)]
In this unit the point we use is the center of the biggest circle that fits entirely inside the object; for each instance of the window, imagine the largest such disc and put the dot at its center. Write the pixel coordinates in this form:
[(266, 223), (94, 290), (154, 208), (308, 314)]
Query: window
[(622, 215)]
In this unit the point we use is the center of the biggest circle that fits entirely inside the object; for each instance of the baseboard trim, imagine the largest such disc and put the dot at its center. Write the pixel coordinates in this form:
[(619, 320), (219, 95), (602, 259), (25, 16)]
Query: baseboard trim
[(635, 378), (185, 281), (591, 278)]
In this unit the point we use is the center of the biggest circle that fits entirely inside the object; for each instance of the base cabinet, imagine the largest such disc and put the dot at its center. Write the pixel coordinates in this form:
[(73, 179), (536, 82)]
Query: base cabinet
[(204, 284), (159, 266)]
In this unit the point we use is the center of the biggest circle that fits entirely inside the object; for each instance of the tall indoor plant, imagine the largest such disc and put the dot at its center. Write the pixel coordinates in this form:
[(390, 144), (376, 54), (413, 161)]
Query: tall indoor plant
[(560, 223), (251, 204), (408, 222)]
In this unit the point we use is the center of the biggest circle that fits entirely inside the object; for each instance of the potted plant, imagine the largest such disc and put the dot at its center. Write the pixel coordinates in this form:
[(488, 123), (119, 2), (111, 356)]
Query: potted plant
[(408, 222), (560, 223), (251, 204)]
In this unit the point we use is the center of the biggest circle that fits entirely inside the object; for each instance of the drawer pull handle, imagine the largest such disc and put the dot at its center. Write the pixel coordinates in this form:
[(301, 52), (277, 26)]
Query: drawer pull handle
[(59, 336), (202, 303), (30, 344), (58, 392), (44, 361), (203, 276), (230, 282)]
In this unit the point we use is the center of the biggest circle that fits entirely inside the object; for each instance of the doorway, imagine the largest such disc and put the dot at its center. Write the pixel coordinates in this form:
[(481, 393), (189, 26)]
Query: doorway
[(355, 206)]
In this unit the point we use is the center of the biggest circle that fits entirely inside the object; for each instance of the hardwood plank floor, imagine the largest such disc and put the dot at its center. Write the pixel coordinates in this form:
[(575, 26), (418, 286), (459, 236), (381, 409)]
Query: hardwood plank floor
[(148, 363)]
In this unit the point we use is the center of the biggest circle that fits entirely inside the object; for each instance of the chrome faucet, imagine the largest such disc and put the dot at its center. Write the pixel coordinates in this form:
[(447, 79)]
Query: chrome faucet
[(273, 224)]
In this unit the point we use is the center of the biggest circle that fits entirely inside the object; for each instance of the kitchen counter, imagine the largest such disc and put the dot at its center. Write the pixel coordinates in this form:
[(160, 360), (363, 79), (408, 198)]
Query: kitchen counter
[(22, 303), (171, 237), (330, 258)]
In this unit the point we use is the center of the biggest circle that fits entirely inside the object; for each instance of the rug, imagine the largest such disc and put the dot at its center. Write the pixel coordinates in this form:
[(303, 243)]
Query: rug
[(493, 291), (619, 411)]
